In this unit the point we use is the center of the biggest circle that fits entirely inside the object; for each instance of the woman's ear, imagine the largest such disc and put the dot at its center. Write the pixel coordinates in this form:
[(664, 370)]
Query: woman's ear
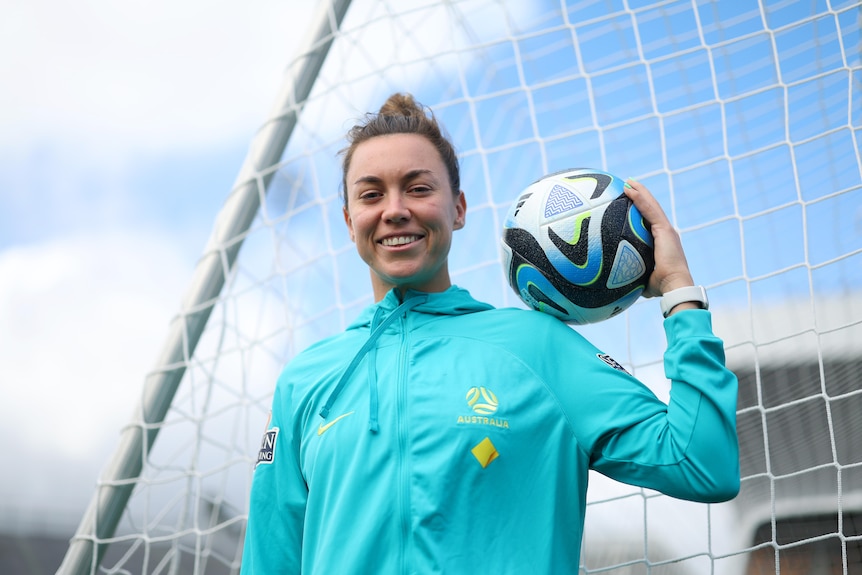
[(460, 210), (349, 223)]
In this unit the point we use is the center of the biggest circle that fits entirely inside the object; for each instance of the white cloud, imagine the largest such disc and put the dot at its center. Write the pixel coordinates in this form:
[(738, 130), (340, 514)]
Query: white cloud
[(95, 83), (145, 74), (81, 321), (82, 318), (89, 89)]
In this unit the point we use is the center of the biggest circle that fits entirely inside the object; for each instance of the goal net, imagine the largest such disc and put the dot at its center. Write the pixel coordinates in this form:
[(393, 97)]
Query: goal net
[(744, 119)]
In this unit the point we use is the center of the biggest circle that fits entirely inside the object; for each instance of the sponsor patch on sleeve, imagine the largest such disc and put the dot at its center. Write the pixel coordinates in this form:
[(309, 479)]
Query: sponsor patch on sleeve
[(611, 362), (267, 447)]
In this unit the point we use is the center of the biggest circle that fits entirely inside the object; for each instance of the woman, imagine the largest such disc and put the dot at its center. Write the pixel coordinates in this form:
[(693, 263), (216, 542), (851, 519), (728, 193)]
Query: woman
[(440, 435)]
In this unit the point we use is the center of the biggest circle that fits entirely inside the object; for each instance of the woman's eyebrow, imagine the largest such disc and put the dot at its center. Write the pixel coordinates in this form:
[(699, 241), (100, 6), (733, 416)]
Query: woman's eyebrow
[(411, 175)]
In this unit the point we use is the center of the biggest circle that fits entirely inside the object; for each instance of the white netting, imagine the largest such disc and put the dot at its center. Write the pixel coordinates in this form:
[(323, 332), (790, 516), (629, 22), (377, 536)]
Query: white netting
[(744, 119)]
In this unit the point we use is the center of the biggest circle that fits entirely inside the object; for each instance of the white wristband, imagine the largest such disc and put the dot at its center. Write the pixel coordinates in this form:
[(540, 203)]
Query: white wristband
[(695, 294)]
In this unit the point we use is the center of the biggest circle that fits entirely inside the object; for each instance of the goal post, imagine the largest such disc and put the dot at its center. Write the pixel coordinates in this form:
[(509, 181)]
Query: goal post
[(233, 221), (743, 118)]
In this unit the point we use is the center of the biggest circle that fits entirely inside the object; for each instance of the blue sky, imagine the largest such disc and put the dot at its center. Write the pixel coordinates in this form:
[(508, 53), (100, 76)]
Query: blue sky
[(122, 129)]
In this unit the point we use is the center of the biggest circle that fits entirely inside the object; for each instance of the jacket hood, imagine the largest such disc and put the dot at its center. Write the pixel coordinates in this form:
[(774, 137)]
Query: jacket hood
[(453, 301)]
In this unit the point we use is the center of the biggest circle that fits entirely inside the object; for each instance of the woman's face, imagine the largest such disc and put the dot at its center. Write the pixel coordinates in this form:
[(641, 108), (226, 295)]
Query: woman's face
[(401, 212)]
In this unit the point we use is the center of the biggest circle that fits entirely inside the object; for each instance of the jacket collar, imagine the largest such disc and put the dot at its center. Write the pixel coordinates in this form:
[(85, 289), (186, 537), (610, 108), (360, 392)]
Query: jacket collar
[(453, 301)]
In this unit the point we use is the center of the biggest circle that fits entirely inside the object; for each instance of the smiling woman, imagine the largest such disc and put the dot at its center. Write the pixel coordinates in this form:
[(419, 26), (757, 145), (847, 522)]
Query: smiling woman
[(387, 487)]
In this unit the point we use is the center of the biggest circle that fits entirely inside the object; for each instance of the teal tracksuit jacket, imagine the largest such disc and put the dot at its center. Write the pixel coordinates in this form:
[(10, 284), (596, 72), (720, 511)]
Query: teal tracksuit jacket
[(441, 435)]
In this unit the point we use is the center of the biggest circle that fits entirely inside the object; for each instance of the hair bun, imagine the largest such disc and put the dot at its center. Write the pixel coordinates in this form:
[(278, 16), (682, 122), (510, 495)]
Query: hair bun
[(401, 104)]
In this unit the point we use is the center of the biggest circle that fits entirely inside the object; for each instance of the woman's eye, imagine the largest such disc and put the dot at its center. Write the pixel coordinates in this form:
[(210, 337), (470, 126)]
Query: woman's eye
[(369, 195)]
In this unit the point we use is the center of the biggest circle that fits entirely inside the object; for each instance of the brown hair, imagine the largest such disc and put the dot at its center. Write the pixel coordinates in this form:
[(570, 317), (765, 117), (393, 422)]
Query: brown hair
[(402, 114)]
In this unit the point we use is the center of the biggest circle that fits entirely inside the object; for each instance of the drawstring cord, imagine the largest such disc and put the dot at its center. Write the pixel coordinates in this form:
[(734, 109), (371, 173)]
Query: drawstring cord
[(367, 347), (372, 377)]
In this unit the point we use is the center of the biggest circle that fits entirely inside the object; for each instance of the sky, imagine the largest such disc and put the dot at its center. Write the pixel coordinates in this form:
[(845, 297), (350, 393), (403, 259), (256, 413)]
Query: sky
[(122, 129)]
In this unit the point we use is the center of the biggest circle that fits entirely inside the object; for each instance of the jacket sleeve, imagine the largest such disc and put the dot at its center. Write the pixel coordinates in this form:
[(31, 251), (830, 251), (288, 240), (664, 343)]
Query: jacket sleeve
[(688, 448), (273, 538)]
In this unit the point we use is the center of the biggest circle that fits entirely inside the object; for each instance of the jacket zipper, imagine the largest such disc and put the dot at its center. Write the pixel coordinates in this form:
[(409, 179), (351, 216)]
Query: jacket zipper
[(404, 467)]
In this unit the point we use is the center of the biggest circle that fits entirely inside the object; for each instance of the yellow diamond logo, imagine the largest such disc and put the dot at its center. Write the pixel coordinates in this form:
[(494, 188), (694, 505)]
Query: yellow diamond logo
[(485, 452)]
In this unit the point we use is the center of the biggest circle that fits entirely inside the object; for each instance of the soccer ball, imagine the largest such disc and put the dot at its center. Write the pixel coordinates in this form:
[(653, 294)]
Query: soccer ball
[(575, 246)]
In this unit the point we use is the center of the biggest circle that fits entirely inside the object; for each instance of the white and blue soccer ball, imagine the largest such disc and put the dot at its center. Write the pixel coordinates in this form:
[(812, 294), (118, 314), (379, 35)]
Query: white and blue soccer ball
[(575, 246)]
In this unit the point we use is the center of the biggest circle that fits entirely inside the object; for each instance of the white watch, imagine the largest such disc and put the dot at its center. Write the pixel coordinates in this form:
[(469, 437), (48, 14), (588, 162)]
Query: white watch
[(695, 294)]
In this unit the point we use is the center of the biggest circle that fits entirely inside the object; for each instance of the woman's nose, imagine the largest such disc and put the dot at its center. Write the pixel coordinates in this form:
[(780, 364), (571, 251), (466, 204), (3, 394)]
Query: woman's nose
[(396, 209)]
